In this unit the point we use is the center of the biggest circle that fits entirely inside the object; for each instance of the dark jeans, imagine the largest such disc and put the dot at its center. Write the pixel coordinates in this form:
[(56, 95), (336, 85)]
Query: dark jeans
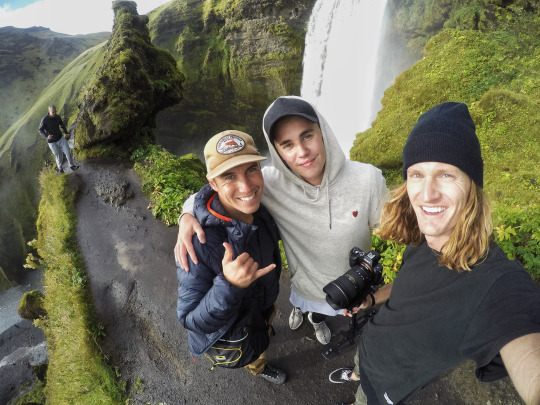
[(317, 318)]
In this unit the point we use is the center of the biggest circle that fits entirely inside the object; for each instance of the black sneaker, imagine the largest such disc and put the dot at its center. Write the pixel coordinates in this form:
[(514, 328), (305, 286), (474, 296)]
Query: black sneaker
[(274, 375), (60, 170), (342, 375), (74, 167)]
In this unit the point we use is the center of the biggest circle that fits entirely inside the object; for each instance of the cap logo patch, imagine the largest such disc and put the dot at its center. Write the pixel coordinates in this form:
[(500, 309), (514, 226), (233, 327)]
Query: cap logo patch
[(230, 144), (354, 213)]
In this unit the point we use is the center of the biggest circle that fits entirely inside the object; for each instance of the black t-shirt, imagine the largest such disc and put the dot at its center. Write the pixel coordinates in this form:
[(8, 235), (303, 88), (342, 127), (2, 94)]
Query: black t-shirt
[(437, 318)]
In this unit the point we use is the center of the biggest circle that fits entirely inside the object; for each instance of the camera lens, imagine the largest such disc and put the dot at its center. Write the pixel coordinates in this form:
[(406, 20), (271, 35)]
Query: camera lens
[(342, 292)]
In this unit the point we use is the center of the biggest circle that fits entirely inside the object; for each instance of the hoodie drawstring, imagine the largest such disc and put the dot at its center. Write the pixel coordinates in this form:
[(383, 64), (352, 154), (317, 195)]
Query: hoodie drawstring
[(329, 210), (317, 197)]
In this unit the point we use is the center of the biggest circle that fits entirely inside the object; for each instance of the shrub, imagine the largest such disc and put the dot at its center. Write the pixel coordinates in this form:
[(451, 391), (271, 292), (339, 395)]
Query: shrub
[(168, 180), (517, 231), (31, 305)]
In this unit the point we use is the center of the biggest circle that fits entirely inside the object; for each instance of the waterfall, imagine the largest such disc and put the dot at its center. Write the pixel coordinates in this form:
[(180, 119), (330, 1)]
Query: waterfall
[(340, 64)]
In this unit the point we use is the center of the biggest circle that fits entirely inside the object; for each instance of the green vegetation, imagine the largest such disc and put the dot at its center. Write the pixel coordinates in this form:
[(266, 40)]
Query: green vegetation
[(518, 233), (168, 180), (31, 305), (495, 71), (77, 372), (35, 396), (391, 257)]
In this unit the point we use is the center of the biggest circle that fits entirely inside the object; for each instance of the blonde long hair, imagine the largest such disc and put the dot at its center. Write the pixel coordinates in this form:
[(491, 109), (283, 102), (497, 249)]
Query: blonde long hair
[(469, 242)]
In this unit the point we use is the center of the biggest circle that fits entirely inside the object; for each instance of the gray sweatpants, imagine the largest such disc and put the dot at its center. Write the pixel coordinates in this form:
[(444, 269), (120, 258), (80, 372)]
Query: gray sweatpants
[(61, 147)]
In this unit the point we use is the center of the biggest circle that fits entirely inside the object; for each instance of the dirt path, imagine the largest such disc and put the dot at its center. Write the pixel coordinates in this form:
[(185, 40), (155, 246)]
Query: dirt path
[(128, 255)]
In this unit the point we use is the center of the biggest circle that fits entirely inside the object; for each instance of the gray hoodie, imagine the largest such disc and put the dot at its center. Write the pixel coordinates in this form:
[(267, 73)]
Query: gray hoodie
[(320, 224)]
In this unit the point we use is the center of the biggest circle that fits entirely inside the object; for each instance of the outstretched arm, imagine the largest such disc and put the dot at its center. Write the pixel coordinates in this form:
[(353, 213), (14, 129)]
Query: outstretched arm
[(522, 361)]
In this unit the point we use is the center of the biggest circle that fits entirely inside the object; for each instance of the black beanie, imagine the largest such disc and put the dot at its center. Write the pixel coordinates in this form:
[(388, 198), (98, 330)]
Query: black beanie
[(445, 134)]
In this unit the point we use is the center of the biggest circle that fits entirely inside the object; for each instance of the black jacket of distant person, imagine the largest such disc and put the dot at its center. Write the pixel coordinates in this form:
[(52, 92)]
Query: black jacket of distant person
[(51, 126)]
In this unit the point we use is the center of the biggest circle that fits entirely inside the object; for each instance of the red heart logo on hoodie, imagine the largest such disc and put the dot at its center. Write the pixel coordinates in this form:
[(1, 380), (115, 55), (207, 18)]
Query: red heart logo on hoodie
[(355, 213)]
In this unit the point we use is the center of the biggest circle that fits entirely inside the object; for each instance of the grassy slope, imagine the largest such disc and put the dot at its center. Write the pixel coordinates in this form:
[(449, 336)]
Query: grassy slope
[(24, 151), (30, 59)]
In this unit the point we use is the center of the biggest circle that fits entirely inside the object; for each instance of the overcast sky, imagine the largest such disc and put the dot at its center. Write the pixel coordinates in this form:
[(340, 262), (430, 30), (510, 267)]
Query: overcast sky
[(66, 16)]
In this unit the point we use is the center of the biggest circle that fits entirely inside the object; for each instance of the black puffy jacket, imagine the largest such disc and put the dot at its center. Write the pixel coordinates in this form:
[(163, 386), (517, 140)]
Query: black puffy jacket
[(207, 303)]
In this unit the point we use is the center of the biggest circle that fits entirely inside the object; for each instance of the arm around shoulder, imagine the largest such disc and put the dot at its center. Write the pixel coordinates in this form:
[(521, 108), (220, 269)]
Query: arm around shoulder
[(522, 361), (188, 226)]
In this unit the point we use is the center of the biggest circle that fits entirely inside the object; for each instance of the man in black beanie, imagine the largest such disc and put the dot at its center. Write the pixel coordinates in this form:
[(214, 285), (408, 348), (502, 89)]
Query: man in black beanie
[(457, 297)]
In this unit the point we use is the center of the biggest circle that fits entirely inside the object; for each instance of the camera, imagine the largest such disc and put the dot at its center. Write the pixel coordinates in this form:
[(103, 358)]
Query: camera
[(362, 279)]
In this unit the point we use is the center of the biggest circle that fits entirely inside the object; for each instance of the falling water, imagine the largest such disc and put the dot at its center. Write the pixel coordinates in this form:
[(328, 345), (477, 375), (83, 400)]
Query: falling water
[(340, 64)]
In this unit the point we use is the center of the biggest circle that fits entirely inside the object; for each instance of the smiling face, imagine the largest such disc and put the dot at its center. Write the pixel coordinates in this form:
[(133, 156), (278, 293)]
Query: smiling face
[(438, 194), (240, 190), (300, 145)]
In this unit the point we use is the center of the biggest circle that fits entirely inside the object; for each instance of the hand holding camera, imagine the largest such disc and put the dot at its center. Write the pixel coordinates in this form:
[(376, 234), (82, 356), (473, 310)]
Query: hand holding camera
[(350, 290)]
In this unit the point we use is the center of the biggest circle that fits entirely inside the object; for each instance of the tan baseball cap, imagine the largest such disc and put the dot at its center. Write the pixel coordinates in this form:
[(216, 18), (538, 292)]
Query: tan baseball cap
[(229, 149)]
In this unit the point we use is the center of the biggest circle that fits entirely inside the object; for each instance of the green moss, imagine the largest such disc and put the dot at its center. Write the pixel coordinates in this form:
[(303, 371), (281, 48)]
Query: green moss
[(77, 372), (226, 49), (34, 396), (134, 82), (31, 305)]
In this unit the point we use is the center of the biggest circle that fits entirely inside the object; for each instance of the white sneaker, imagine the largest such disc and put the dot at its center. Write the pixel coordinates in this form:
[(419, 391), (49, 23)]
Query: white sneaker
[(296, 318), (322, 332)]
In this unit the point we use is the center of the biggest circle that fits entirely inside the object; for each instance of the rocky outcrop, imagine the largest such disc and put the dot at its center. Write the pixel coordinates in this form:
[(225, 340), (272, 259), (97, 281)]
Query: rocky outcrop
[(135, 81)]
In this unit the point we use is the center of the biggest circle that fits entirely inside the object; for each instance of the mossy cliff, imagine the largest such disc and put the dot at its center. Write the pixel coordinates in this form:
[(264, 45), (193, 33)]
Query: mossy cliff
[(135, 81), (237, 56)]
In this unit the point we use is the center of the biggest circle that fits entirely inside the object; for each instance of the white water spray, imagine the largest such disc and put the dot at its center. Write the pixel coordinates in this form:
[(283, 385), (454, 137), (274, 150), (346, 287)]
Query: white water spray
[(340, 64)]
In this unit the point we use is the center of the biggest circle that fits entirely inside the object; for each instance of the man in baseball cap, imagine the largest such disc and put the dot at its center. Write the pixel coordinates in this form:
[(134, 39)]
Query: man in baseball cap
[(236, 280)]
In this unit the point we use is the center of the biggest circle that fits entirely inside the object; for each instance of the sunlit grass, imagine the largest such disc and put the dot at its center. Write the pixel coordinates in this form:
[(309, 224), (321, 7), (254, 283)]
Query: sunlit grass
[(77, 372)]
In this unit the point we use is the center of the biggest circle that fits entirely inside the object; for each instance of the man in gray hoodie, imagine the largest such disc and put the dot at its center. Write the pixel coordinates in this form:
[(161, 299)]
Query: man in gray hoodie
[(323, 204)]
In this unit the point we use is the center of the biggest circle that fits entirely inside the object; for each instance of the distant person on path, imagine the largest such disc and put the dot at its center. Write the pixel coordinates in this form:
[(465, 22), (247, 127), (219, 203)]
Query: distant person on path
[(49, 128), (323, 204), (457, 296), (237, 275)]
